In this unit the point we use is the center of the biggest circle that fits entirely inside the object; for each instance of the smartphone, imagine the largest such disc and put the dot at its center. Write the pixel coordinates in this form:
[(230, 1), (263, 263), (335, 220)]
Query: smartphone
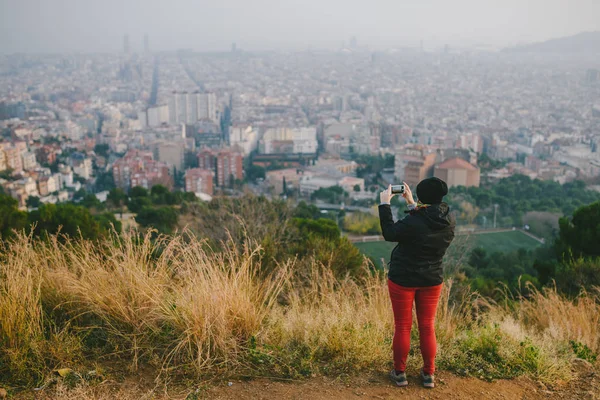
[(397, 189)]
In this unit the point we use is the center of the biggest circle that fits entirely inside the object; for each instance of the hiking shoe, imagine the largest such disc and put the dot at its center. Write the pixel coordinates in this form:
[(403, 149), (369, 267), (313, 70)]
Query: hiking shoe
[(428, 380), (399, 379)]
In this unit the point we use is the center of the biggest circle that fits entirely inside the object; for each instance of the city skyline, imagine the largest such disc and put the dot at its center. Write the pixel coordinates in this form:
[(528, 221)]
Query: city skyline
[(32, 26)]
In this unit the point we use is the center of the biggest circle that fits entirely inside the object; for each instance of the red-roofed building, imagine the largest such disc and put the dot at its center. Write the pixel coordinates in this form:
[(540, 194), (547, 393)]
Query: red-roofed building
[(458, 172), (226, 163), (199, 180), (138, 168)]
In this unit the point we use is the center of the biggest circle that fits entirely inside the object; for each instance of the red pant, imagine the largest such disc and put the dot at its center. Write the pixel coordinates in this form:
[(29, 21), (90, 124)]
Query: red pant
[(426, 300)]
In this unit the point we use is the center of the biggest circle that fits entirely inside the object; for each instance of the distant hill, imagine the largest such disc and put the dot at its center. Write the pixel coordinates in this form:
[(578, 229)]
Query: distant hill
[(586, 42)]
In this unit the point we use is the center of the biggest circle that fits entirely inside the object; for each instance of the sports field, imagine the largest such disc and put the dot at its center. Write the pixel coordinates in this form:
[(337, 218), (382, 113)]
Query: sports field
[(492, 242)]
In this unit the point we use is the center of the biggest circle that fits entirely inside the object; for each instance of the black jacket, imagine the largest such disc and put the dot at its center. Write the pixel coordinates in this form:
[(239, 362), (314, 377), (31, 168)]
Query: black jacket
[(423, 237)]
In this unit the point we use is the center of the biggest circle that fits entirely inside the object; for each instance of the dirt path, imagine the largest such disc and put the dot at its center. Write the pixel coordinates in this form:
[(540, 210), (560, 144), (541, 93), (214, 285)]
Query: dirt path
[(376, 386), (448, 387)]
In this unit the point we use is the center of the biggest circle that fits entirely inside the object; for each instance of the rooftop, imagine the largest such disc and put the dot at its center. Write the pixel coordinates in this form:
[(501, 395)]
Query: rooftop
[(457, 163)]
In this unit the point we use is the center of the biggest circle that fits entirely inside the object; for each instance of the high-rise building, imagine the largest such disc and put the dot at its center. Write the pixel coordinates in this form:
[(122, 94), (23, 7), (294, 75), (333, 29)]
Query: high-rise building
[(229, 167), (12, 110), (157, 115), (172, 153), (126, 44), (207, 159), (192, 108), (470, 141), (13, 158), (207, 107), (3, 165), (245, 138), (187, 108), (29, 161), (226, 163), (199, 180)]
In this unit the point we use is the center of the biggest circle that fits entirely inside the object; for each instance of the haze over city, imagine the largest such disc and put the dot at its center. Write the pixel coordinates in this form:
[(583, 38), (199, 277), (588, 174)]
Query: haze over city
[(37, 26), (242, 199)]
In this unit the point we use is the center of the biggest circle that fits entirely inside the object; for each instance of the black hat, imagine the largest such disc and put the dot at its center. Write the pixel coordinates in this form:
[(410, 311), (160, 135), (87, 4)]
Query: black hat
[(431, 190)]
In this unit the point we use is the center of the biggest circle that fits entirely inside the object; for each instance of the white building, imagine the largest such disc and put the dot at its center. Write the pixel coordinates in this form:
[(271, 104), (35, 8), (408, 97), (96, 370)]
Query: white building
[(289, 141), (66, 176), (310, 184), (83, 168), (305, 140), (29, 162), (244, 137), (158, 115), (187, 108)]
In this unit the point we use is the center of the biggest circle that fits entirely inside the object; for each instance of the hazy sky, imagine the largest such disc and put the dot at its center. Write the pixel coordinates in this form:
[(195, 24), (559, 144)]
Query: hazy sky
[(99, 25)]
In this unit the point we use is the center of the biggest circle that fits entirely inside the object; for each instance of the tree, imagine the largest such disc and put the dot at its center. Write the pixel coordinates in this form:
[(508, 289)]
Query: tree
[(333, 194), (190, 160), (478, 258), (307, 211), (322, 227), (104, 181), (356, 188), (80, 194), (67, 219), (10, 217), (117, 198), (469, 213), (135, 204), (580, 235), (32, 202), (108, 222), (164, 219), (255, 172), (102, 150), (362, 223), (7, 174), (159, 190), (138, 191), (91, 201)]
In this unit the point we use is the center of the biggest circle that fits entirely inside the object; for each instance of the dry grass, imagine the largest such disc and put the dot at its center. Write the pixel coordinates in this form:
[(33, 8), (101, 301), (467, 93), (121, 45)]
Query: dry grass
[(179, 306), (550, 314)]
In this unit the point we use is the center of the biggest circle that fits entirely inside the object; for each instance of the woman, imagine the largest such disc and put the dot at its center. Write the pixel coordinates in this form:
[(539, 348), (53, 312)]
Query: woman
[(416, 272)]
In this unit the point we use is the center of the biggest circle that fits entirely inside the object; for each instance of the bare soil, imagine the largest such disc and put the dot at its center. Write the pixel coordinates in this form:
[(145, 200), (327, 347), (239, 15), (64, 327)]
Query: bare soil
[(376, 386)]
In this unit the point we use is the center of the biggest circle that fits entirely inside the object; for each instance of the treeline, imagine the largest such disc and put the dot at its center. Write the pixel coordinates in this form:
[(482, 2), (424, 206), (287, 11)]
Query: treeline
[(519, 194), (571, 262), (89, 218), (68, 219)]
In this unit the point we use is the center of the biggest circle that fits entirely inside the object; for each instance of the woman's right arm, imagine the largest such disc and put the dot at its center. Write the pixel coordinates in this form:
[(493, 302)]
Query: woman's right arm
[(393, 231)]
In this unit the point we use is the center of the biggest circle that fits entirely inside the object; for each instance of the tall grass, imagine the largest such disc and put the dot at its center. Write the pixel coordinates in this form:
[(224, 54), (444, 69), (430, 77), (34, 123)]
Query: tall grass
[(179, 306)]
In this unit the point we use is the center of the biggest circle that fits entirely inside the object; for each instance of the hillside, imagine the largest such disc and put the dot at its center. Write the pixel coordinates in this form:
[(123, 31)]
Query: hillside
[(241, 299), (586, 42)]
